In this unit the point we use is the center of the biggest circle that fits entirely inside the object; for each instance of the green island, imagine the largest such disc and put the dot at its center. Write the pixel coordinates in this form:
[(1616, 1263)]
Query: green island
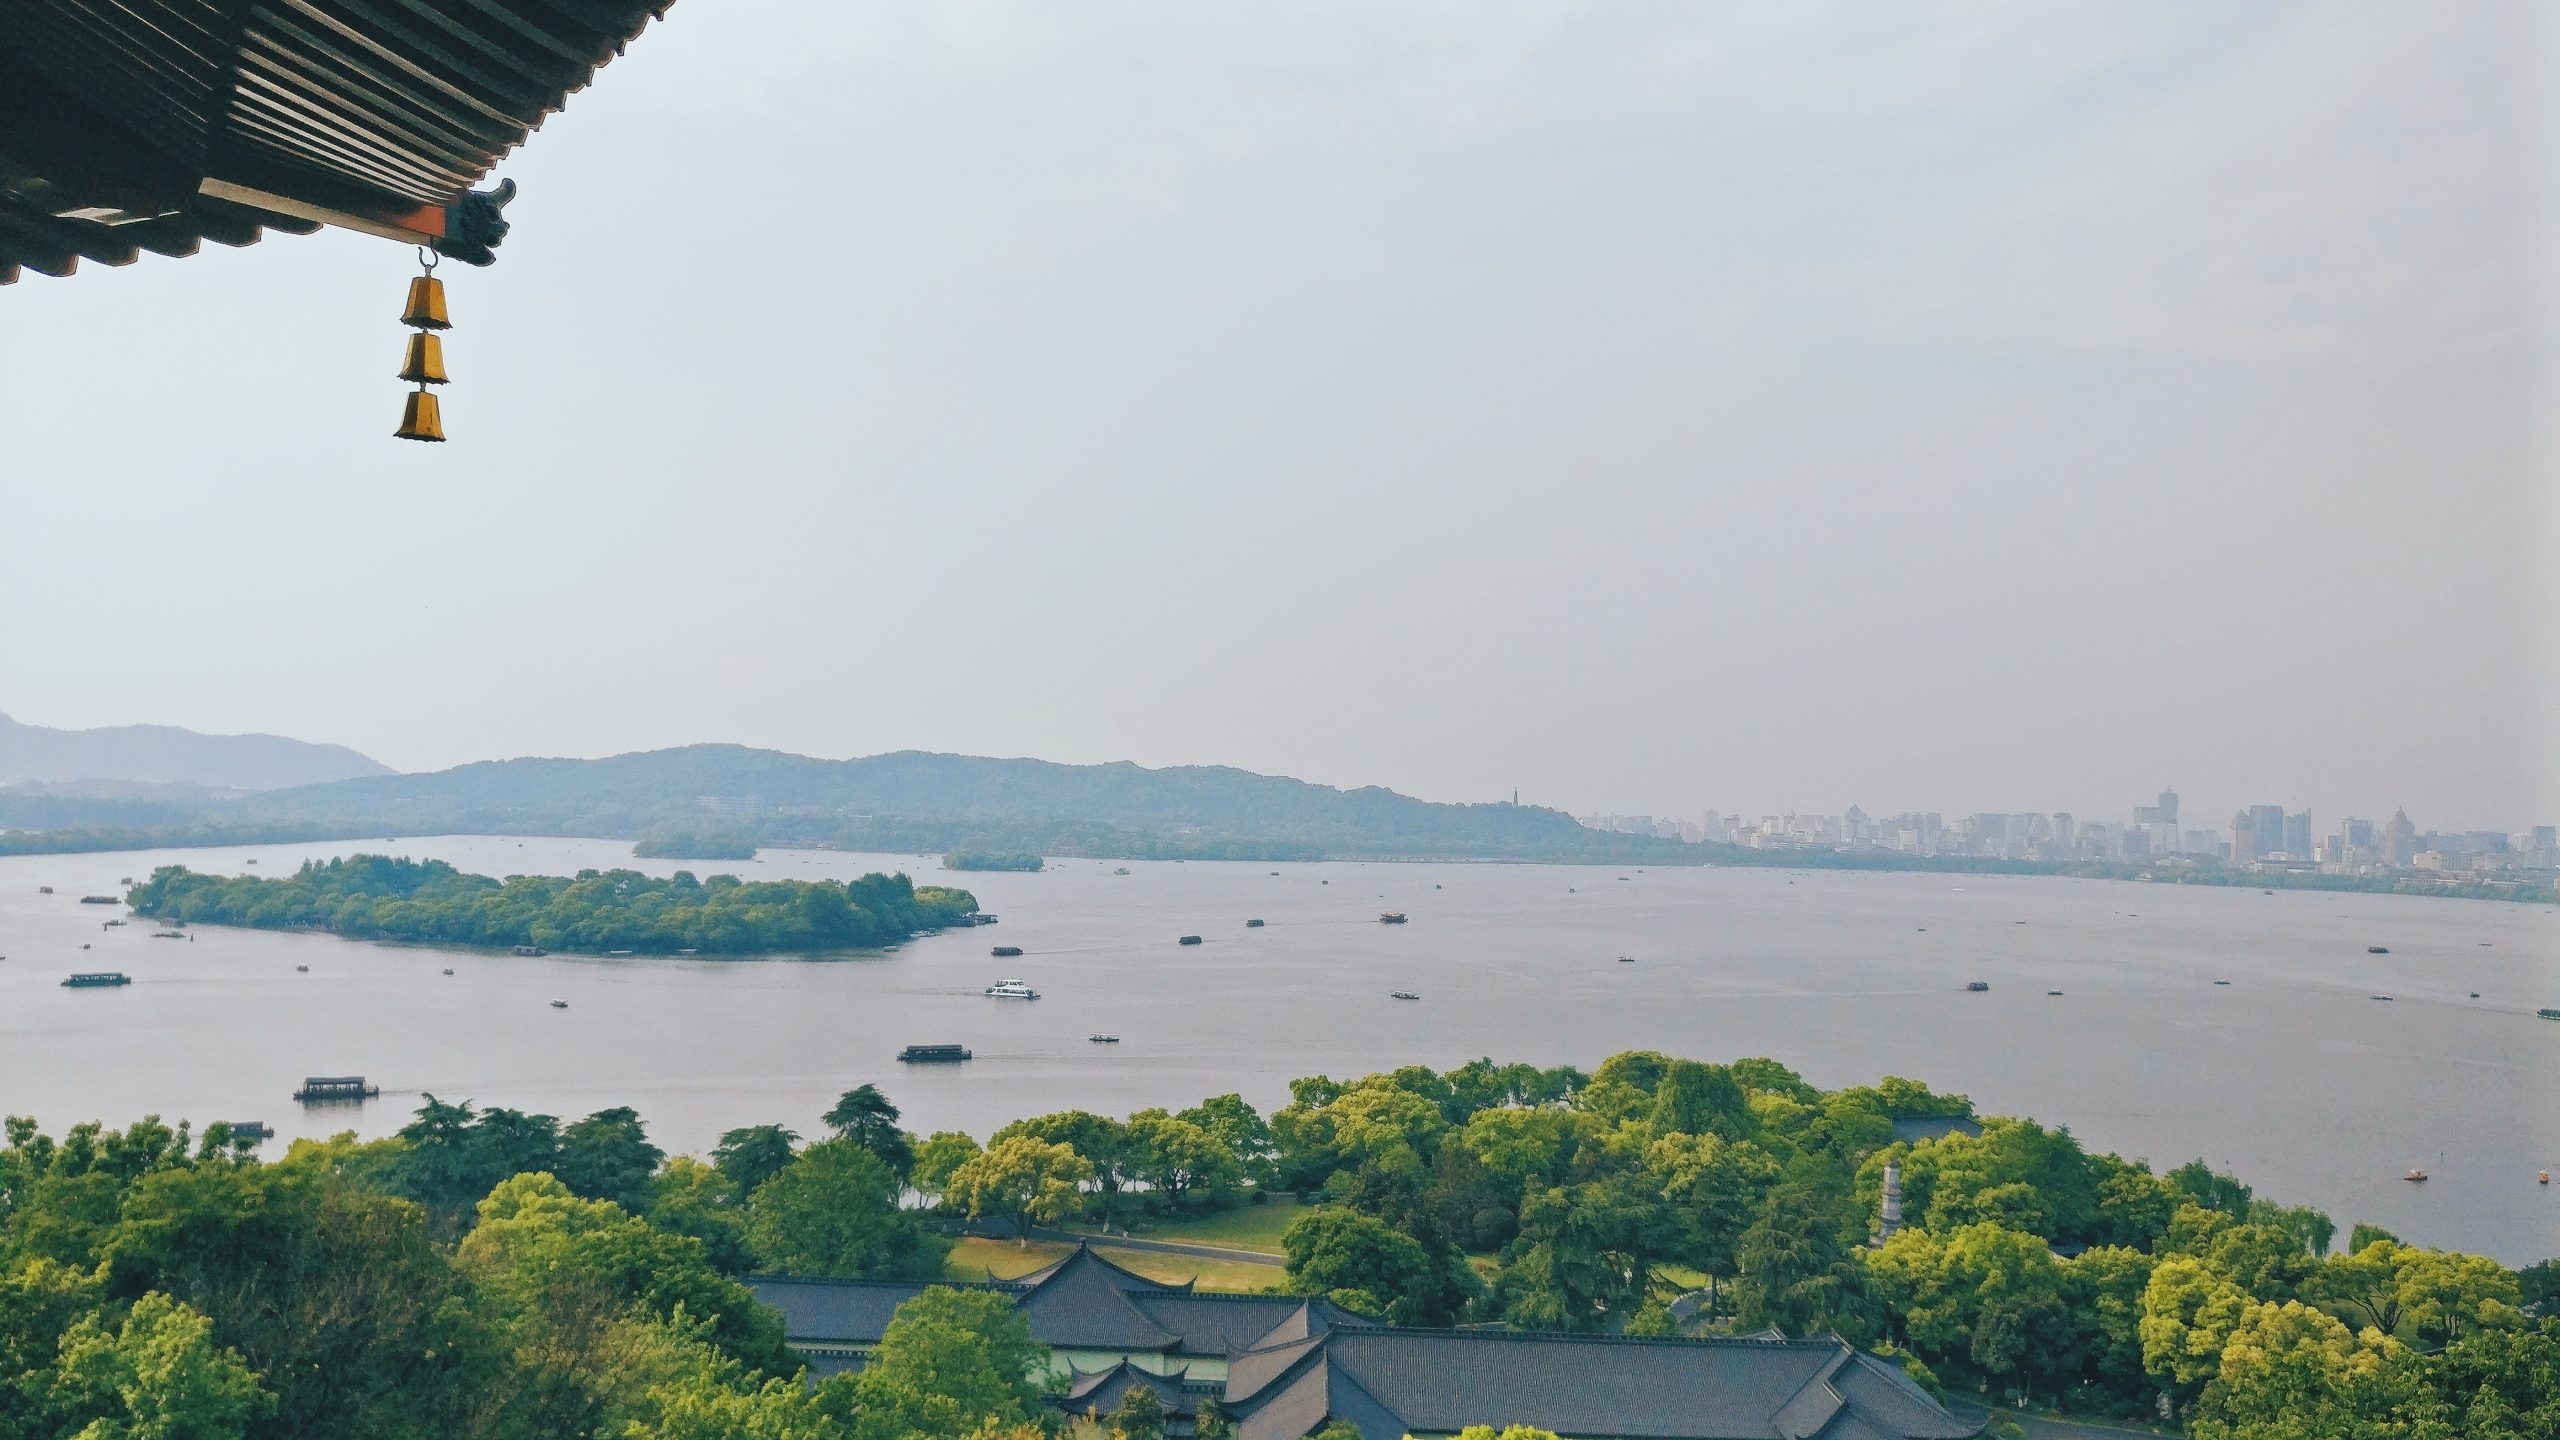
[(686, 845), (376, 897), (1026, 861), (500, 1274)]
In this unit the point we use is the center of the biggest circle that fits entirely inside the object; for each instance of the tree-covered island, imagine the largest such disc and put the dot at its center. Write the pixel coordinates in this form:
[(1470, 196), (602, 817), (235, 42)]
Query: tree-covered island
[(1024, 861), (376, 897), (686, 845)]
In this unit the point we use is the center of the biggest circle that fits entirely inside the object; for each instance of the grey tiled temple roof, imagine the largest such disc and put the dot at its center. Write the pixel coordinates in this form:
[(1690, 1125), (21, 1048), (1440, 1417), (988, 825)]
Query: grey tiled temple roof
[(1292, 1364), (1083, 1302), (1391, 1383), (1912, 1129), (1102, 1389), (851, 1312), (1220, 1324)]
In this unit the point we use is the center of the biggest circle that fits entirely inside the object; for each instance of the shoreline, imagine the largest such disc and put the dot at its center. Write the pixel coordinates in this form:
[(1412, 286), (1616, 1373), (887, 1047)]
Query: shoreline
[(2192, 874)]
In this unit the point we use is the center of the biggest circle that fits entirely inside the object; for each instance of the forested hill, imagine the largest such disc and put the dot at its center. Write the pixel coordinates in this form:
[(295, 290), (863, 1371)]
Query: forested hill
[(165, 754), (917, 801)]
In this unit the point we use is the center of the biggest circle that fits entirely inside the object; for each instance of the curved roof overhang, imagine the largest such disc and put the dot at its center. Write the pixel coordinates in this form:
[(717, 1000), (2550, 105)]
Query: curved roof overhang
[(154, 125)]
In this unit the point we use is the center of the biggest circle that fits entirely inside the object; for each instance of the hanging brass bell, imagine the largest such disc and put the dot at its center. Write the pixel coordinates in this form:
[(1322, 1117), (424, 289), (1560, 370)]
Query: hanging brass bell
[(426, 304), (421, 420), (425, 365)]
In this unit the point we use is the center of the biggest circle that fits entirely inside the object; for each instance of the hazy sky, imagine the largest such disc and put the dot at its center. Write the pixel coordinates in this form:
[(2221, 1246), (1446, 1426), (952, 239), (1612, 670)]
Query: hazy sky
[(1997, 406)]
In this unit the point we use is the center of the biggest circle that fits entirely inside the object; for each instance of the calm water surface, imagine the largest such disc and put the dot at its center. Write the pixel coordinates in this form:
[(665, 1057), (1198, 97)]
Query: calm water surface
[(2290, 1075)]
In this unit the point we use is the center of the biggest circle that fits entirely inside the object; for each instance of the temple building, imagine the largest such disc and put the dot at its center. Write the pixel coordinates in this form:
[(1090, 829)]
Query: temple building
[(1281, 1367)]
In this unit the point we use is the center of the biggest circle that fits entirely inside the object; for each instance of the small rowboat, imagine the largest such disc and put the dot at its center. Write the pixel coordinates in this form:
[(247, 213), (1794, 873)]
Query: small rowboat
[(2415, 1175)]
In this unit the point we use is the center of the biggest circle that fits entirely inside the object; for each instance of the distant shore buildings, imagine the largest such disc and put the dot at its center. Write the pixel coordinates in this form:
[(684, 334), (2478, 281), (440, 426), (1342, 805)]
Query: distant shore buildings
[(2260, 839)]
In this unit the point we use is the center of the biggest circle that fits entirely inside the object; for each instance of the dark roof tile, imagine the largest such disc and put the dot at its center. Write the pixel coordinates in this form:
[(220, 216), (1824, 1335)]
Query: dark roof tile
[(1081, 1303), (1443, 1381)]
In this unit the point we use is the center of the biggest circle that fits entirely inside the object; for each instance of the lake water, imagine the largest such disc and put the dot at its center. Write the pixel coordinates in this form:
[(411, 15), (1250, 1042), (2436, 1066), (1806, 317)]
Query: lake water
[(2290, 1075)]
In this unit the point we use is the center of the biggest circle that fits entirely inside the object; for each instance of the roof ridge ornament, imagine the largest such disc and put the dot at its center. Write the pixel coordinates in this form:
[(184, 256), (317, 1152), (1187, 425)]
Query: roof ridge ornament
[(472, 225)]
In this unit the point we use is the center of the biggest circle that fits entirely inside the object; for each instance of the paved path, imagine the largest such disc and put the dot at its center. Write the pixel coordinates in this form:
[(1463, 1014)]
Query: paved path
[(2039, 1428), (1133, 1242), (1166, 1247)]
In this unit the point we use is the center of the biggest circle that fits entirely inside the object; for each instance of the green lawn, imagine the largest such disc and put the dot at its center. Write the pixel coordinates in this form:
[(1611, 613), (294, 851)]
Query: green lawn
[(976, 1255), (1247, 1227), (1682, 1276)]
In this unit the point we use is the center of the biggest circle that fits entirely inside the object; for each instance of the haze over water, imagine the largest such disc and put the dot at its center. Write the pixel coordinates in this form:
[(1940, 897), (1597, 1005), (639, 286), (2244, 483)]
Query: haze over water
[(2291, 1075)]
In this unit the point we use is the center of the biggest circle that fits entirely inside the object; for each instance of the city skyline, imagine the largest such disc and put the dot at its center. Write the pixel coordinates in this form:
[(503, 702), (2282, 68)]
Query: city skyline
[(2168, 827)]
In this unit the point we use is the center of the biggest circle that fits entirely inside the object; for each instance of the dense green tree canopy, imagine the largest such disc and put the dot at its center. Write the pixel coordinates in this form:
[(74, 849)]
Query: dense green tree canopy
[(834, 1211), (864, 1116), (1019, 860), (752, 1154), (497, 1275), (375, 897), (950, 1362), (1024, 1179), (689, 845), (1337, 1251)]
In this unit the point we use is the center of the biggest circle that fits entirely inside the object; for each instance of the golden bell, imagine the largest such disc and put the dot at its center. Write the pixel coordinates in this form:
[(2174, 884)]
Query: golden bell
[(425, 365), (421, 420), (426, 304)]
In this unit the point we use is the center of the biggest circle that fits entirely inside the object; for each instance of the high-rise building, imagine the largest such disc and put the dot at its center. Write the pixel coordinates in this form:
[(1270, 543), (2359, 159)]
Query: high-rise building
[(2399, 840), (2244, 837), (2066, 837), (2297, 835), (2163, 823)]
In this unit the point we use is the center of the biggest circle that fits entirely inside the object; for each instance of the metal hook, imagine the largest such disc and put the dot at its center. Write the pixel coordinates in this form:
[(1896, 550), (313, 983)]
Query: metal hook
[(428, 258)]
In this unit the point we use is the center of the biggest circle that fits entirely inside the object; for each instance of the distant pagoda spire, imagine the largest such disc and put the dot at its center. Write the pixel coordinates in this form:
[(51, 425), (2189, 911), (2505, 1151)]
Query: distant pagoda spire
[(1890, 1220)]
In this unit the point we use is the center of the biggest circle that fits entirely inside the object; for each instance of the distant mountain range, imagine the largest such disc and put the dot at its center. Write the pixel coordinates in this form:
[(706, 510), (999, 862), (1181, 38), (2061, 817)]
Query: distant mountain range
[(908, 801), (167, 755), (149, 786), (912, 800)]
